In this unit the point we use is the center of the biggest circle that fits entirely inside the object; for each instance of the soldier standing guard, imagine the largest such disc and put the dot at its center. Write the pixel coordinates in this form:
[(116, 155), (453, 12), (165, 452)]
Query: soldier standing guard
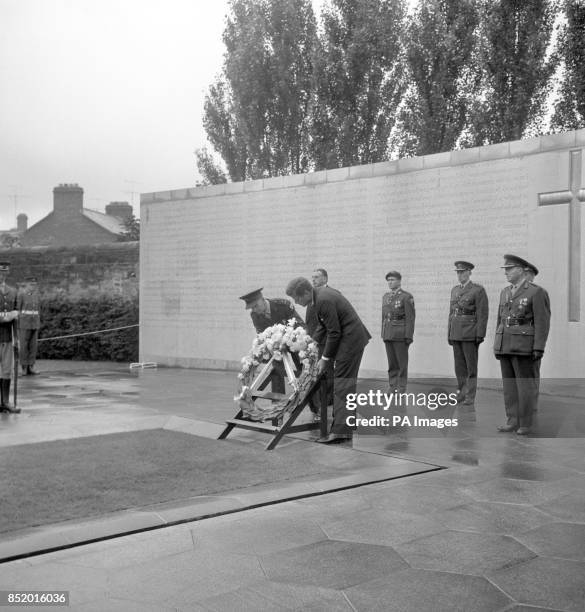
[(265, 313), (398, 316), (531, 272), (522, 330), (468, 317), (30, 322), (8, 337)]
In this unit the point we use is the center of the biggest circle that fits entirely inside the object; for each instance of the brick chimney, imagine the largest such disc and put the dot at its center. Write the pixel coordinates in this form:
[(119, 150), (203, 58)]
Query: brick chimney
[(121, 210), (67, 199), (21, 223)]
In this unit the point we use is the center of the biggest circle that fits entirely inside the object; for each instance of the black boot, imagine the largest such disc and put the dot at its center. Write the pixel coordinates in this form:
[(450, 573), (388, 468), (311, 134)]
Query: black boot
[(5, 385), (2, 406)]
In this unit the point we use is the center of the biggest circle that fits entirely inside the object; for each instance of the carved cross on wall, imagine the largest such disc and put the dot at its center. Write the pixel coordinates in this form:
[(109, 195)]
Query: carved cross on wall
[(573, 197)]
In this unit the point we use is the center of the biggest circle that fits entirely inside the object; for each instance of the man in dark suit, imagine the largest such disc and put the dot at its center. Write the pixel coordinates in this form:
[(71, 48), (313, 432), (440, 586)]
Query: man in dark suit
[(319, 278), (344, 337), (522, 330), (265, 313), (397, 330), (468, 317)]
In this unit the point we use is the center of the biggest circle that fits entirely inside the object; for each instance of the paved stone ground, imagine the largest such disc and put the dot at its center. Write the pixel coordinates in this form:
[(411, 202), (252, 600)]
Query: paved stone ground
[(502, 528)]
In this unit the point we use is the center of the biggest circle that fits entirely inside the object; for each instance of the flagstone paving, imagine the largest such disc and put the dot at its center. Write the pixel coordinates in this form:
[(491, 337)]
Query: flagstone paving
[(502, 527)]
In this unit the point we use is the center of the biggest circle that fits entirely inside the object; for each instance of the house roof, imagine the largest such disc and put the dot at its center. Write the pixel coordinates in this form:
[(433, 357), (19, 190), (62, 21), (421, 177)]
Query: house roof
[(112, 224)]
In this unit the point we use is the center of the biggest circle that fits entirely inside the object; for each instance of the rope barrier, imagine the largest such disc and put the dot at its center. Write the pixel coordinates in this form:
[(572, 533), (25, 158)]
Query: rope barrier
[(101, 331)]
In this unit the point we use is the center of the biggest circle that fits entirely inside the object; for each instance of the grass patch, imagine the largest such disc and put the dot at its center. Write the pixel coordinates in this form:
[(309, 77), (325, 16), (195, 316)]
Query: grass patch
[(79, 478)]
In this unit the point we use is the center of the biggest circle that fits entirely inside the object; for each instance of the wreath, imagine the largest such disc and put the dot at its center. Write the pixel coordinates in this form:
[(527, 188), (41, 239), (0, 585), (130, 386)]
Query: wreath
[(275, 341)]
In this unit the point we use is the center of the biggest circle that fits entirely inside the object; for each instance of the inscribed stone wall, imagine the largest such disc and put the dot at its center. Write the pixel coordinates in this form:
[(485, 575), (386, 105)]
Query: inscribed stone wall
[(203, 247)]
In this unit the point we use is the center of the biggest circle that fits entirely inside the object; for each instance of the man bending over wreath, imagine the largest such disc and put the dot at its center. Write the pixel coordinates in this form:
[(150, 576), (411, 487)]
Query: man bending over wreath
[(265, 313), (344, 337)]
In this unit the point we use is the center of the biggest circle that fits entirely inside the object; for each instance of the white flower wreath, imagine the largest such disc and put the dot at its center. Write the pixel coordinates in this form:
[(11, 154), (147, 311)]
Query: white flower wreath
[(274, 342)]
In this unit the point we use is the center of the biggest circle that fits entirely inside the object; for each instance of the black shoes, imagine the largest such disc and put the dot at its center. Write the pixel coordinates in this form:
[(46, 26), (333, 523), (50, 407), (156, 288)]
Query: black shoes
[(9, 409), (4, 397), (333, 437)]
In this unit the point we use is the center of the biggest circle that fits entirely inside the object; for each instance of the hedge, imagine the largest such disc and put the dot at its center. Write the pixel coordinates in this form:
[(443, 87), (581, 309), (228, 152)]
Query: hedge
[(62, 315)]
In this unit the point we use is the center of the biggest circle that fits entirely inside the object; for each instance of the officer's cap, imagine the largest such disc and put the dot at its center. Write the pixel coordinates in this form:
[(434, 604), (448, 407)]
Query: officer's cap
[(251, 297), (462, 266), (533, 269), (4, 266), (393, 274), (511, 261)]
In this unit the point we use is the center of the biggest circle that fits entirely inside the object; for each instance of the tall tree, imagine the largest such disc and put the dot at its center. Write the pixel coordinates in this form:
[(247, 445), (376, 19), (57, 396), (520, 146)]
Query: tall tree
[(570, 106), (517, 68), (223, 130), (440, 41), (209, 169), (255, 114), (131, 229), (357, 81)]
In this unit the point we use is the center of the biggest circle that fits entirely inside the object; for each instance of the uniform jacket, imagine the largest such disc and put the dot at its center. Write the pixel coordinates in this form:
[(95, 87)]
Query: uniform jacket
[(29, 307), (281, 311), (340, 330), (523, 320), (468, 314), (398, 315), (7, 304)]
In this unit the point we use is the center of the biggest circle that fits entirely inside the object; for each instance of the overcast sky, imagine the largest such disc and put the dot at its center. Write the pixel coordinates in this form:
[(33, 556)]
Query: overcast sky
[(104, 93)]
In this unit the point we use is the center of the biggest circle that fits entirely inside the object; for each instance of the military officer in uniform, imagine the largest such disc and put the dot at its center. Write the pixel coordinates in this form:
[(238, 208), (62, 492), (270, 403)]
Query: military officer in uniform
[(30, 322), (468, 317), (531, 272), (398, 316), (265, 313), (522, 330), (8, 337)]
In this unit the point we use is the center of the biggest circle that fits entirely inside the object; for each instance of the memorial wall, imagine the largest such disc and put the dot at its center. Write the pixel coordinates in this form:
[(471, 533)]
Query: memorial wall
[(203, 247)]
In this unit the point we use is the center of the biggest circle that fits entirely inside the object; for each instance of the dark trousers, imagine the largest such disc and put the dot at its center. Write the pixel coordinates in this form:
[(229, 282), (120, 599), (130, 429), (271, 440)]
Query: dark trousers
[(315, 403), (28, 346), (277, 382), (277, 378), (520, 378), (397, 354), (465, 355), (345, 374), (6, 360)]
